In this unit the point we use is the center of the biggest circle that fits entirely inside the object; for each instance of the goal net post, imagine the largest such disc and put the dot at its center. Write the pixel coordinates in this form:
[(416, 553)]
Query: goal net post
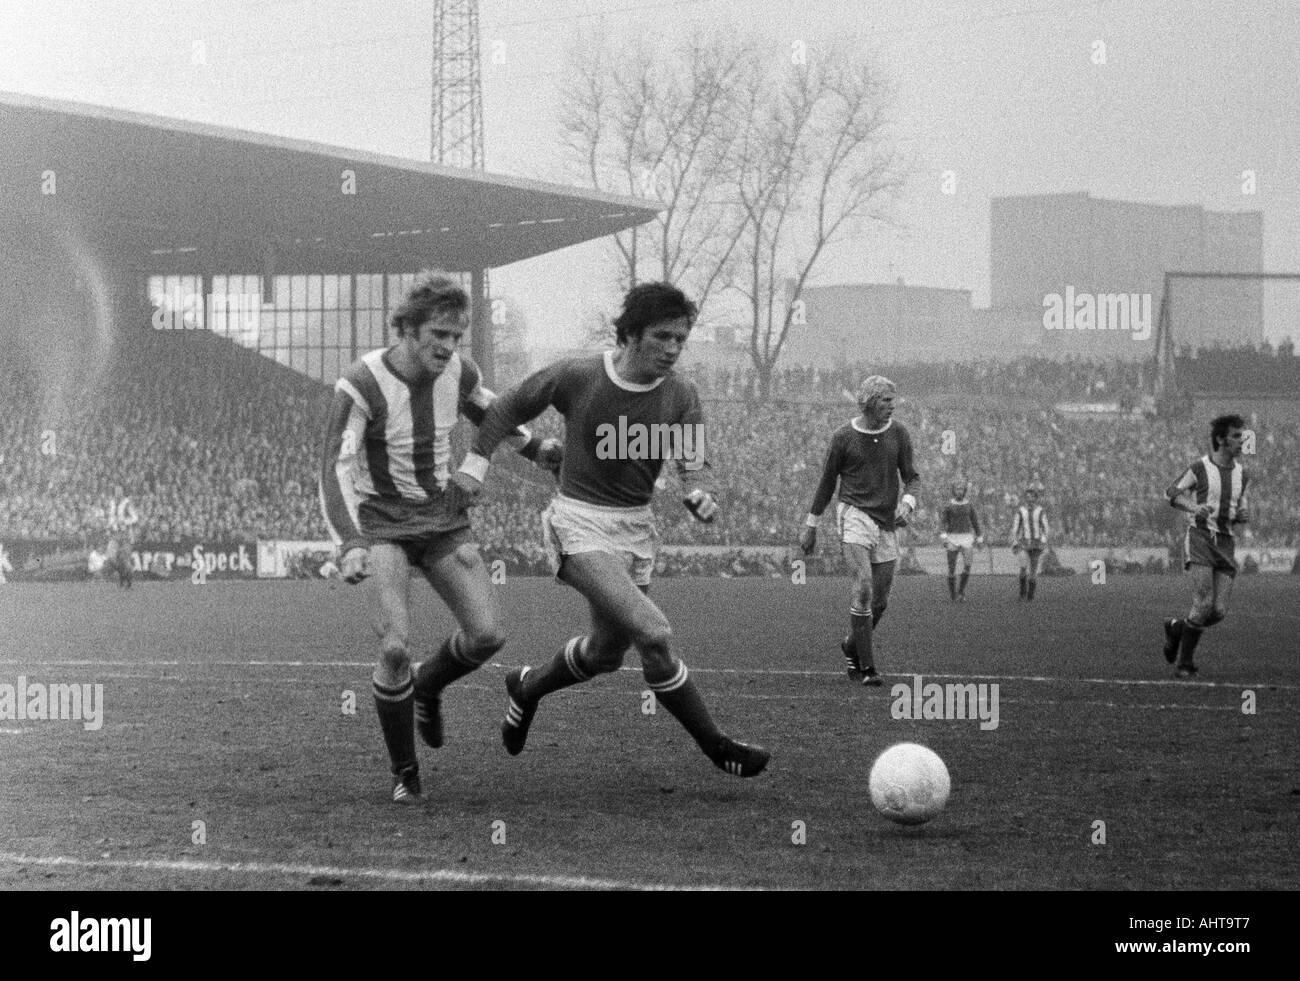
[(1208, 309)]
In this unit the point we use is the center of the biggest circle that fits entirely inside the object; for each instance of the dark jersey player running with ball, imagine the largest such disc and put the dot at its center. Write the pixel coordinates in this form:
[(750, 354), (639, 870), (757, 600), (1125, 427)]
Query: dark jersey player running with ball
[(599, 527)]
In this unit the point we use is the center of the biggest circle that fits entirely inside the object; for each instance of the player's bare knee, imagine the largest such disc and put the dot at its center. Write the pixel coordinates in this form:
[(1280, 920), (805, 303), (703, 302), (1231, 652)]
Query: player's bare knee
[(653, 635), (394, 657), (605, 658), (483, 643), (658, 663), (467, 555)]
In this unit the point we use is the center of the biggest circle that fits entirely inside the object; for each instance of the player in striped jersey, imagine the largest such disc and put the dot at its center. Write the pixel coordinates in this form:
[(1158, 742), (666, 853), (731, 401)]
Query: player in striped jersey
[(1213, 491), (960, 533), (1029, 530), (599, 528), (866, 458), (384, 493)]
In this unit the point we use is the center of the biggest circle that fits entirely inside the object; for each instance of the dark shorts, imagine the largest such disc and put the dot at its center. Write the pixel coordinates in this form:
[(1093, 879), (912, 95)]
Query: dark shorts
[(1219, 552), (424, 550), (424, 530), (1033, 546)]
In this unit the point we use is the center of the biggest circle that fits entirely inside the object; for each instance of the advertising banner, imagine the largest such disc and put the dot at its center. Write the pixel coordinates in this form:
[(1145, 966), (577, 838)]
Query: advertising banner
[(279, 559)]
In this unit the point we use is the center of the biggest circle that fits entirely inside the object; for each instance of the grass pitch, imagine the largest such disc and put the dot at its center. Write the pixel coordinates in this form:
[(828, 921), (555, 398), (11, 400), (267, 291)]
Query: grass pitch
[(225, 705)]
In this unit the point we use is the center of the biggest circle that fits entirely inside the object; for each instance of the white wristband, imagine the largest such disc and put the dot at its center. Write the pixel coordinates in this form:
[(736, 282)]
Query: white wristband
[(910, 501), (475, 466), (812, 521)]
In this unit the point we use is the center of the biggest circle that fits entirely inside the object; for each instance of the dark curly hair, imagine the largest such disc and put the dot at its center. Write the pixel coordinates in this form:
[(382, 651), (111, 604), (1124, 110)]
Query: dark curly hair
[(1220, 425), (650, 303)]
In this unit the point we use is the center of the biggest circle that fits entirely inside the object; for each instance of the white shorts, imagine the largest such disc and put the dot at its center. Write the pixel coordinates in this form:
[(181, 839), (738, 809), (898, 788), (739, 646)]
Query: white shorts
[(857, 528), (571, 527), (963, 540)]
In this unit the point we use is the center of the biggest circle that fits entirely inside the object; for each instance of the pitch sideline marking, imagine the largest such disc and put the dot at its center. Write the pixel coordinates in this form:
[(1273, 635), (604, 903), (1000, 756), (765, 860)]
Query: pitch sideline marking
[(449, 876), (791, 672)]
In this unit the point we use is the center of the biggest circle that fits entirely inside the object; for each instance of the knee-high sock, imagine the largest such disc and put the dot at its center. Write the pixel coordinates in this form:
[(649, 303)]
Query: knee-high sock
[(965, 578), (446, 666), (1033, 582), (678, 694), (1191, 636), (565, 669), (861, 625), (395, 707)]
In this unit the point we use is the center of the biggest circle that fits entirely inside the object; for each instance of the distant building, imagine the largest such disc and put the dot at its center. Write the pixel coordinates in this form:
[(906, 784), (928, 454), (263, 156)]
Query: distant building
[(881, 322), (1071, 276), (1049, 248)]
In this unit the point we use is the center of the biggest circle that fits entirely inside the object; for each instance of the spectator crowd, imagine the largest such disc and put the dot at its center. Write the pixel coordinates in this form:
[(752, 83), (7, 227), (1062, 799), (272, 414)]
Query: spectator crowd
[(216, 443)]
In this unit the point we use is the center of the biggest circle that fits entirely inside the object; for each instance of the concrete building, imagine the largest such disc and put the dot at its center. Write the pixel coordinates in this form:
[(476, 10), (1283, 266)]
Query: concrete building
[(1050, 249), (881, 322)]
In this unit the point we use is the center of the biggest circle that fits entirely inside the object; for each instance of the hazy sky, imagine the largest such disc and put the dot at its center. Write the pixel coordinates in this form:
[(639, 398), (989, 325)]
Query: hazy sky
[(1004, 93)]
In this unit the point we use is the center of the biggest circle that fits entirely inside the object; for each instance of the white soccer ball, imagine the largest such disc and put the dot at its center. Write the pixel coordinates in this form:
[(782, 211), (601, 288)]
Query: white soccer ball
[(909, 783)]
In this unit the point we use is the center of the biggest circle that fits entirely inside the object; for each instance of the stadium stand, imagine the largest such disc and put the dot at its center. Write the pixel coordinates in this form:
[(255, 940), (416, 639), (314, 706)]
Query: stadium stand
[(216, 442)]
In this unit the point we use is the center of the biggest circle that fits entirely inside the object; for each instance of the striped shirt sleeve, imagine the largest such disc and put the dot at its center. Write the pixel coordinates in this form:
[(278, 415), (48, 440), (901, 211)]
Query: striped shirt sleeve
[(344, 431), (1183, 484)]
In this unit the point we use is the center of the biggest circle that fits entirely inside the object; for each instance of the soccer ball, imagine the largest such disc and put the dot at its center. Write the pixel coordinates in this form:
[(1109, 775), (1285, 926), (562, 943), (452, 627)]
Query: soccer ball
[(909, 783)]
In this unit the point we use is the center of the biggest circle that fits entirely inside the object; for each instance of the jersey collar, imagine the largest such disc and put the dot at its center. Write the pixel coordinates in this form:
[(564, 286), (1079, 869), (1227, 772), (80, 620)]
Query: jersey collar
[(1209, 462), (871, 432), (623, 383)]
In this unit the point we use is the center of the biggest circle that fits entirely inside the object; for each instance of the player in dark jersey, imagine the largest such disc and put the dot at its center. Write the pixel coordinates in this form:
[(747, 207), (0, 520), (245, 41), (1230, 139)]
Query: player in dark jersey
[(1029, 531), (624, 412), (1213, 491), (383, 489), (866, 458), (122, 521), (960, 533)]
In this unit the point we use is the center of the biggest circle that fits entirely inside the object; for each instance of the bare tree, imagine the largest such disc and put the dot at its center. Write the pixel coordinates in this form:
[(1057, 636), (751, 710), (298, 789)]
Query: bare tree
[(597, 329), (666, 126), (814, 163)]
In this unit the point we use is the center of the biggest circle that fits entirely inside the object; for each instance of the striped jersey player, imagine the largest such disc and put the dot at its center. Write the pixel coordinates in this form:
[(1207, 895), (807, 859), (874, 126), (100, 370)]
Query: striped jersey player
[(870, 460), (390, 508), (1029, 530), (391, 473), (1213, 492), (625, 412)]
